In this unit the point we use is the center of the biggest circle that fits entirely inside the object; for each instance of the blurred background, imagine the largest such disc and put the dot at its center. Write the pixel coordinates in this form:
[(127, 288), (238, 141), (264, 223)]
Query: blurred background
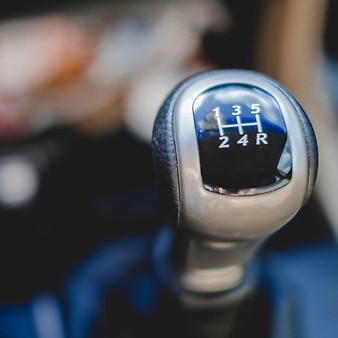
[(80, 86)]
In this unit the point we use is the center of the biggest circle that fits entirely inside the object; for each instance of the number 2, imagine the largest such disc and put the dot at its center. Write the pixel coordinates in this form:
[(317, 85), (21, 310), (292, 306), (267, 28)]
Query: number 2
[(225, 140)]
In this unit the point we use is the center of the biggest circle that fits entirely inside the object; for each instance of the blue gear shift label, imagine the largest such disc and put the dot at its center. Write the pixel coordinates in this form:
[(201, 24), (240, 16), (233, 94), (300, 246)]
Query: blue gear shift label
[(261, 138), (242, 138)]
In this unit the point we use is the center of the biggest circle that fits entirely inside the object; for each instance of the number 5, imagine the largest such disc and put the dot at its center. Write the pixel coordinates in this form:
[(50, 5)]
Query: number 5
[(255, 108)]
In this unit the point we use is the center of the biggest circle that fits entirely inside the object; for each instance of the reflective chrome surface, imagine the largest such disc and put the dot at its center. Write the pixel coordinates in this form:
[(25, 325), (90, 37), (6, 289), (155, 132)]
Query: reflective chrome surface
[(223, 231)]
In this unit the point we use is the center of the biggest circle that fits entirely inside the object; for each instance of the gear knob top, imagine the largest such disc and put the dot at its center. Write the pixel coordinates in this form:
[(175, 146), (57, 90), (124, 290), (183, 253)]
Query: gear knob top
[(242, 140), (236, 158)]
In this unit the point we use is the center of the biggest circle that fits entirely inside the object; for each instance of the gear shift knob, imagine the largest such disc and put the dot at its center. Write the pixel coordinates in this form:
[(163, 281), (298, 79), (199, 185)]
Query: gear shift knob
[(235, 158)]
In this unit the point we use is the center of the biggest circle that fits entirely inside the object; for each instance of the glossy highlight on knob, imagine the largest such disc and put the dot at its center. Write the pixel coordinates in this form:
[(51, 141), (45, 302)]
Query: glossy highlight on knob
[(242, 140)]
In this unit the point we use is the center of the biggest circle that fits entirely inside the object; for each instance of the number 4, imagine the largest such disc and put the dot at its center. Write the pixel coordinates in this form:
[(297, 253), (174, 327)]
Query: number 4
[(243, 140)]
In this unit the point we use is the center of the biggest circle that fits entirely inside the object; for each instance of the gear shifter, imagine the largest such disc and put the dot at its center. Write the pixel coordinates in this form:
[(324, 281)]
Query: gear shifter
[(235, 158)]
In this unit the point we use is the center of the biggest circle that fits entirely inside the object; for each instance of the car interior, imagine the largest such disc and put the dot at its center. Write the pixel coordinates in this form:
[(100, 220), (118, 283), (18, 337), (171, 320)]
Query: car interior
[(87, 91)]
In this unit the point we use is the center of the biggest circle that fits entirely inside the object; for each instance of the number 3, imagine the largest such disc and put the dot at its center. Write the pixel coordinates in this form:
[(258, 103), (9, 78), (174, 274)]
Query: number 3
[(237, 109)]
